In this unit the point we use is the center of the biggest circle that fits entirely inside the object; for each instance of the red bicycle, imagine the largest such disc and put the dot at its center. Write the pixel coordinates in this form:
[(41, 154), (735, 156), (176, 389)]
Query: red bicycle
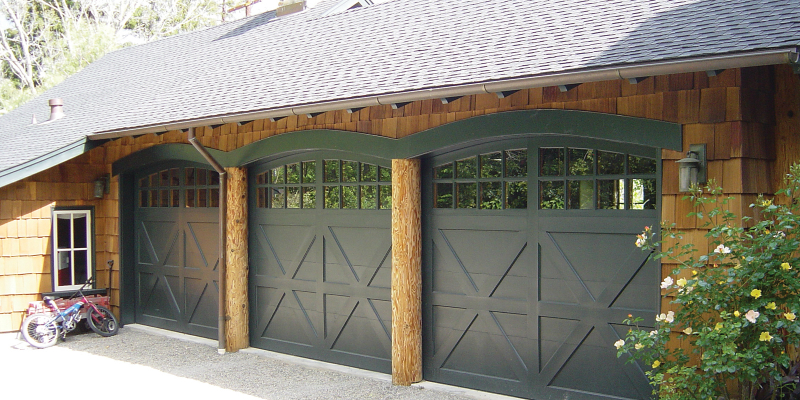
[(43, 329)]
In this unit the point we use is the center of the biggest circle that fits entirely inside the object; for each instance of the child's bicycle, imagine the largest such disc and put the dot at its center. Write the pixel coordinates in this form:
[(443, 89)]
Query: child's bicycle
[(43, 329)]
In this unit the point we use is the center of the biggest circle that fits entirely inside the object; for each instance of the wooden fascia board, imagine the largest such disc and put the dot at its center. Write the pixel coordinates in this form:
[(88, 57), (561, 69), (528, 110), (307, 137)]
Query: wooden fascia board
[(46, 161)]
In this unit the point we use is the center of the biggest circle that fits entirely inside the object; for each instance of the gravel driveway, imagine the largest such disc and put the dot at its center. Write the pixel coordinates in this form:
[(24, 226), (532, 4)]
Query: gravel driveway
[(147, 363)]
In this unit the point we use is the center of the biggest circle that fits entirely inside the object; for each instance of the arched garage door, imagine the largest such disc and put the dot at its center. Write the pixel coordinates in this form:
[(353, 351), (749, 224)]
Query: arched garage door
[(320, 258), (530, 266), (176, 248)]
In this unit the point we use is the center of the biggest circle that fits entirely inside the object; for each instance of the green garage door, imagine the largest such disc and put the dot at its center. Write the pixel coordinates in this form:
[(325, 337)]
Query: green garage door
[(177, 249), (530, 266), (320, 258)]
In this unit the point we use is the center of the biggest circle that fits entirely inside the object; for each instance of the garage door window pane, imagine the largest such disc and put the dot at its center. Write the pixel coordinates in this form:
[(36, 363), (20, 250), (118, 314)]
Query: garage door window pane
[(611, 194), (262, 197), (443, 196), (201, 176), (517, 194), (581, 161), (309, 171), (331, 196), (386, 197), (491, 196), (349, 171), (467, 168), (609, 163), (551, 162), (293, 173), (369, 173), (580, 195), (202, 198), (309, 197), (516, 163), (443, 171), (350, 197), (641, 165), (466, 195), (369, 198), (213, 198), (293, 197), (643, 194), (384, 174), (190, 198), (331, 171), (491, 165), (278, 175), (278, 198), (551, 195)]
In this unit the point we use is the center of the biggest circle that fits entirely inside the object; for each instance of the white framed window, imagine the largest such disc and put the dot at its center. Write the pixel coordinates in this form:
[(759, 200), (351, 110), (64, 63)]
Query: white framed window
[(73, 250)]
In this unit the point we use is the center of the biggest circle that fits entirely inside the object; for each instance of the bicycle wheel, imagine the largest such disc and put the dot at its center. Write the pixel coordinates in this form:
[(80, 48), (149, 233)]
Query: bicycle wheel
[(39, 331), (103, 323)]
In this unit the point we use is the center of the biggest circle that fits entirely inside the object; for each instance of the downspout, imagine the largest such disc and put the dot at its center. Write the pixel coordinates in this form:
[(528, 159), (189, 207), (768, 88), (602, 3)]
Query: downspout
[(223, 212)]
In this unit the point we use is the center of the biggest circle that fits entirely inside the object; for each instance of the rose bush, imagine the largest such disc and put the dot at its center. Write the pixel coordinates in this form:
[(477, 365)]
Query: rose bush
[(734, 333)]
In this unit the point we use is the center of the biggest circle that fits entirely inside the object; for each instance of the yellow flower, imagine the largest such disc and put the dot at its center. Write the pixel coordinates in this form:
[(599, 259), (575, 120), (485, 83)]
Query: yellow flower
[(770, 305), (694, 272), (755, 293), (718, 326), (638, 346), (681, 282), (767, 202), (790, 316), (785, 266), (765, 337), (656, 363), (737, 266), (688, 330), (722, 282), (736, 313)]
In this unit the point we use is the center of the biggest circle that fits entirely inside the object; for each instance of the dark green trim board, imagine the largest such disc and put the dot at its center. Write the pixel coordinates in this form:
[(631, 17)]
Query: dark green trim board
[(127, 192), (46, 161), (580, 124)]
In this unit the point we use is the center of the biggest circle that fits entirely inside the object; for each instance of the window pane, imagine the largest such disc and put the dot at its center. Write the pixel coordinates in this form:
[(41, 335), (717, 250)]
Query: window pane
[(262, 197), (213, 198), (467, 168), (369, 173), (164, 199), (580, 195), (309, 197), (331, 196), (175, 177), (293, 197), (309, 171), (517, 194), (369, 199), (610, 163), (443, 171), (202, 197), (189, 176), (551, 195), (611, 194), (491, 165), (143, 197), (293, 173), (581, 161), (331, 171), (350, 197), (386, 197), (144, 182), (154, 198), (64, 268), (385, 174), (517, 163), (278, 175), (63, 229), (213, 177), (466, 195), (641, 165), (81, 266), (551, 162), (643, 194), (443, 195), (190, 198), (278, 198), (153, 180), (261, 179), (175, 198), (201, 176), (349, 171), (164, 177), (491, 195)]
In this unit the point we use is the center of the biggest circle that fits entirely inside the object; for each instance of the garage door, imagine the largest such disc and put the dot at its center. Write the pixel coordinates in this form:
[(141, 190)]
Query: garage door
[(176, 248), (320, 254), (530, 266)]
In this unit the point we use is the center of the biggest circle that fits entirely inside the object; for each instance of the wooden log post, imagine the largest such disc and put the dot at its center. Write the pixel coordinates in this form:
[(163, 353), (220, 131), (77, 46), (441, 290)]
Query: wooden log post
[(406, 272), (236, 302)]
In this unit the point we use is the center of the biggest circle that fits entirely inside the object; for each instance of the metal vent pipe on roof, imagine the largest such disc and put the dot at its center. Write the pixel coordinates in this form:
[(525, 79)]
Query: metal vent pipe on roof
[(56, 109)]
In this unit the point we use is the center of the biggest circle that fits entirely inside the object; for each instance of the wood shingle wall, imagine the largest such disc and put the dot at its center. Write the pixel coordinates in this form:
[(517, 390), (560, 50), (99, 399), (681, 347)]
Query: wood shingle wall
[(748, 118)]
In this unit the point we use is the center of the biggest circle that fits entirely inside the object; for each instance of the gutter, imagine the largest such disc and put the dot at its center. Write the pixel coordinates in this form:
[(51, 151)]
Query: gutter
[(223, 212), (707, 63)]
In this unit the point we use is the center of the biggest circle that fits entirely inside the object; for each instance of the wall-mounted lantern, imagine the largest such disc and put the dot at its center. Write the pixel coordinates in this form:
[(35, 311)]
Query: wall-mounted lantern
[(692, 169), (101, 186)]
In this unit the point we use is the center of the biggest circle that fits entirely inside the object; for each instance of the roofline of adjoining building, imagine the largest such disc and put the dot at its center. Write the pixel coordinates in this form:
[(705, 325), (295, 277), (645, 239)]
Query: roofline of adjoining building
[(46, 161), (564, 79)]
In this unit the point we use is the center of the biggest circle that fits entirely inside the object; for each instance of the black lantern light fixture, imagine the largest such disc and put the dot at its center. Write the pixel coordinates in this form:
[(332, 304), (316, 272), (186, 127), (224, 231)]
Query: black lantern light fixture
[(692, 169)]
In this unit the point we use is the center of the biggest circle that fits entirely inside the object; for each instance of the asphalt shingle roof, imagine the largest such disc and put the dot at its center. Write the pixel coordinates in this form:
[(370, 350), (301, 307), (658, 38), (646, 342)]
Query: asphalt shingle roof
[(264, 62)]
